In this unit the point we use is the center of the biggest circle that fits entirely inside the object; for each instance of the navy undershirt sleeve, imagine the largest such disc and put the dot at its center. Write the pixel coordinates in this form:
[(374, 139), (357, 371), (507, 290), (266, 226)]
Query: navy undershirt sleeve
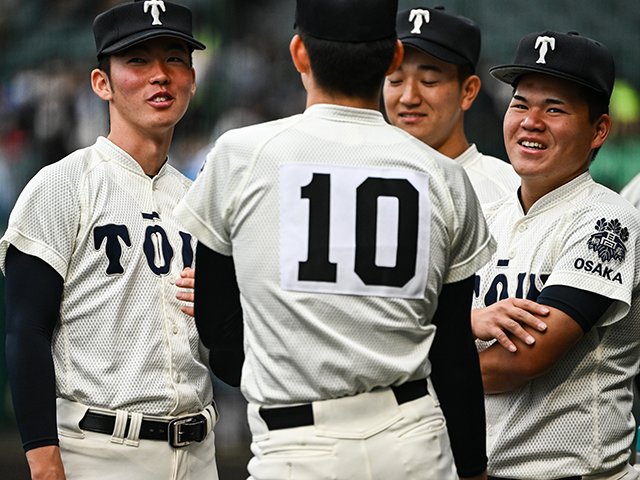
[(218, 313), (584, 307), (456, 377), (33, 295)]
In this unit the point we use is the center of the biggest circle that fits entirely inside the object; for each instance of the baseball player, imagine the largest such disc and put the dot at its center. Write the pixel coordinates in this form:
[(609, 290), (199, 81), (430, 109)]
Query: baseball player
[(427, 96), (108, 376), (352, 244), (434, 87), (561, 408)]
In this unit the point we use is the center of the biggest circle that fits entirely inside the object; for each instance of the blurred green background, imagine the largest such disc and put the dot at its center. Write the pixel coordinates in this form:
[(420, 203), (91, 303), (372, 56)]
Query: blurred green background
[(47, 109)]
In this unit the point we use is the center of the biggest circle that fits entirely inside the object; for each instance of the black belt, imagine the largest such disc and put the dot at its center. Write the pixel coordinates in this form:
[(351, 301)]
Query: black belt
[(578, 477), (302, 415), (179, 432)]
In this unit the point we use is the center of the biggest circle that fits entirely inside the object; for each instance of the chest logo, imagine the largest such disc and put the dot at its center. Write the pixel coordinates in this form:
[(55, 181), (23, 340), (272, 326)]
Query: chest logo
[(418, 16), (155, 6), (609, 239), (544, 43)]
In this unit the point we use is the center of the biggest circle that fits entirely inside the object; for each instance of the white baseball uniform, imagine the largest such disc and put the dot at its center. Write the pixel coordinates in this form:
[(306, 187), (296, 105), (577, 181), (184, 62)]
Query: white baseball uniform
[(329, 315), (631, 191), (492, 179), (107, 228), (576, 419)]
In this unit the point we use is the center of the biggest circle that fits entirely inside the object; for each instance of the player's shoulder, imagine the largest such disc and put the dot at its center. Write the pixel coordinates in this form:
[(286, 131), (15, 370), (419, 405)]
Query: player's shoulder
[(598, 202), (631, 191), (69, 170), (251, 136)]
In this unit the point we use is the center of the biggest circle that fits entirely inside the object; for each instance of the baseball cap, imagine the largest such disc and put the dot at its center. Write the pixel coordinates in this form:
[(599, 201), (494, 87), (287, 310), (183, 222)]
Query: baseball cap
[(133, 22), (347, 20), (564, 55), (449, 37)]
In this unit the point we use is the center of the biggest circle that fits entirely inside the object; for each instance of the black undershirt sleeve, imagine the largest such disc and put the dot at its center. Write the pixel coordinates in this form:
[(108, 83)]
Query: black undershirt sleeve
[(584, 307), (456, 377), (218, 313), (33, 295)]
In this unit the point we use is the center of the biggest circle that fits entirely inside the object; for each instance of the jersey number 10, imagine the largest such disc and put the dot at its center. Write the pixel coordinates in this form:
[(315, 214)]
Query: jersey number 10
[(353, 231)]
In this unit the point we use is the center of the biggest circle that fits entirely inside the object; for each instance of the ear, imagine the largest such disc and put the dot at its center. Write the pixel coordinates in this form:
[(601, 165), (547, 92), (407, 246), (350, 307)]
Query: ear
[(193, 86), (603, 128), (470, 89), (101, 85), (299, 55), (398, 56)]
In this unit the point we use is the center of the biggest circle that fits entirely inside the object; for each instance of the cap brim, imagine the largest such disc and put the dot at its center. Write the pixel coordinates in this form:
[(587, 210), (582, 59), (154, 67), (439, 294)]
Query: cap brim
[(510, 74), (435, 50), (143, 36)]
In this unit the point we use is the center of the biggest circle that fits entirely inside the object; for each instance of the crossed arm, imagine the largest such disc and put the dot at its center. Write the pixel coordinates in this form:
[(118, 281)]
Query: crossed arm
[(534, 346)]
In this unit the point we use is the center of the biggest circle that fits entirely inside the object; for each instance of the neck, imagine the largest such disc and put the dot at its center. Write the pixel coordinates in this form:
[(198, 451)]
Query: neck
[(149, 151), (456, 144), (315, 97)]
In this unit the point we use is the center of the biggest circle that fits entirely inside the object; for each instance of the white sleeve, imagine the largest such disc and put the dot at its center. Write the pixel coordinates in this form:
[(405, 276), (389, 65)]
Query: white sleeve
[(472, 243), (205, 208), (45, 219), (600, 254)]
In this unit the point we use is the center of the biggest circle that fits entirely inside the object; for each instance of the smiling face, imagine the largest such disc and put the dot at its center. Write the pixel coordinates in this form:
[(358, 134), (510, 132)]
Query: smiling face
[(426, 98), (149, 86), (548, 134)]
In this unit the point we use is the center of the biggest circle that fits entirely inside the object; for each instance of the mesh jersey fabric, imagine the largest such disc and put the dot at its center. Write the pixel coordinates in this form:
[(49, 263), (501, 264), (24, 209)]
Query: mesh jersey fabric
[(492, 179), (108, 230), (311, 340), (576, 419)]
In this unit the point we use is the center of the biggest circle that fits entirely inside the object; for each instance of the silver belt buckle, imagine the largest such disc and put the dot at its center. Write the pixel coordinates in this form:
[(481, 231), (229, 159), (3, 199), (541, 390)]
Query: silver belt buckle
[(178, 430)]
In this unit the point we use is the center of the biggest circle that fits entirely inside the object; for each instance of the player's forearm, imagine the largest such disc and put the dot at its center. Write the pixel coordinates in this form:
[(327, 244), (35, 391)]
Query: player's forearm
[(45, 463), (501, 371), (33, 295), (456, 378)]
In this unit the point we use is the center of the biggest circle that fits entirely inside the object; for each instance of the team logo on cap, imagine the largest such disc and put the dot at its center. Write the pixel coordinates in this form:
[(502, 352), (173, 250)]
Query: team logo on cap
[(544, 43), (154, 6), (418, 17), (609, 240)]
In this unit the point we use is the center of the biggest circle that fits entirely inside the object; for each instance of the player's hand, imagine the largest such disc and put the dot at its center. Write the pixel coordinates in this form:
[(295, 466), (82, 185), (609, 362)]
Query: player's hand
[(186, 285), (45, 463), (508, 316)]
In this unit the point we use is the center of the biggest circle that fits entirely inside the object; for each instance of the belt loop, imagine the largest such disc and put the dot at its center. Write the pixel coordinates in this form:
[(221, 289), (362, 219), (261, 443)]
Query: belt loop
[(209, 416), (120, 427), (133, 436), (432, 391)]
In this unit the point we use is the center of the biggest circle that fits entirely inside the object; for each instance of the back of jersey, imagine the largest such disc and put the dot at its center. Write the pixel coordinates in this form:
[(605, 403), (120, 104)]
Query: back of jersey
[(343, 230)]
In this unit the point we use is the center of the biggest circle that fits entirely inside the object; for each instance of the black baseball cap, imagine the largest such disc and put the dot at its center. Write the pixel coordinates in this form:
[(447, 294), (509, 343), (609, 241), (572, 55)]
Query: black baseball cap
[(449, 37), (133, 22), (564, 55), (347, 20)]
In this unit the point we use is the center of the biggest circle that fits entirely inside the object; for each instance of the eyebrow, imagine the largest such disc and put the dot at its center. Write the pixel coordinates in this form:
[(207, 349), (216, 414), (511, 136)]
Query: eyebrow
[(547, 101)]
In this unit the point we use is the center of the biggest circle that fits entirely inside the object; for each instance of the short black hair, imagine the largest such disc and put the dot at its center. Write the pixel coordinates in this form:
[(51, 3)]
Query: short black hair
[(354, 69), (465, 70)]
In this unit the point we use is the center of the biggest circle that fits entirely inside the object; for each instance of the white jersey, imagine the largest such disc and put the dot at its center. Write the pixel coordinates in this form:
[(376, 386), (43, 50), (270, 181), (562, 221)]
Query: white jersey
[(576, 419), (109, 231), (343, 230), (631, 191), (492, 178)]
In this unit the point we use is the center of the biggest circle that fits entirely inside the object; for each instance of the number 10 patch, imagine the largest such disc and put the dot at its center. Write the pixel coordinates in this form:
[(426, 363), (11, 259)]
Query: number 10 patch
[(354, 231)]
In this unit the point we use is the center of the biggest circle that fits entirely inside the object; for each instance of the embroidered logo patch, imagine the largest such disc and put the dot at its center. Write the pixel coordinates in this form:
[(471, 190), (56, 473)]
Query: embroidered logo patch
[(155, 6), (418, 16), (544, 43), (608, 241)]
